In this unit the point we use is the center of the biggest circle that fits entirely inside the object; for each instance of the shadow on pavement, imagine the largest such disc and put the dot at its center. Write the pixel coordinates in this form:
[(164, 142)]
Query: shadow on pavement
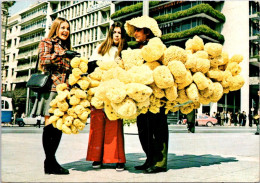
[(174, 162)]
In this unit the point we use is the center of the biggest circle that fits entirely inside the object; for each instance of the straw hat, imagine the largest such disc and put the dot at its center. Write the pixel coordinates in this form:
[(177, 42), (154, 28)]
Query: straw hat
[(142, 22)]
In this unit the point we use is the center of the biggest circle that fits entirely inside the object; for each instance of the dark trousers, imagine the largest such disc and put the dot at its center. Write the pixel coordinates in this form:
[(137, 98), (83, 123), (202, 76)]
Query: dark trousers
[(154, 134)]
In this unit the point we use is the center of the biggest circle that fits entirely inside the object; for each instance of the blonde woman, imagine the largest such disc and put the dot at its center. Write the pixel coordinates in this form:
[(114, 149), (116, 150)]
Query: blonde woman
[(54, 57), (106, 140)]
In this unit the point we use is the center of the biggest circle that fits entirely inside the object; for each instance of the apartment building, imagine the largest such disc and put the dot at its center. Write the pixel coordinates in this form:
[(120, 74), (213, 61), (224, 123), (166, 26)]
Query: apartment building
[(89, 22), (213, 21)]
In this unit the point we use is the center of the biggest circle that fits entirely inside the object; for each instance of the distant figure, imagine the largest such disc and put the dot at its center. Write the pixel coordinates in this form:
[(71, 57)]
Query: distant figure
[(222, 117), (214, 115), (250, 120), (38, 121), (218, 118), (235, 118), (240, 118), (244, 118), (23, 115), (228, 118), (191, 121)]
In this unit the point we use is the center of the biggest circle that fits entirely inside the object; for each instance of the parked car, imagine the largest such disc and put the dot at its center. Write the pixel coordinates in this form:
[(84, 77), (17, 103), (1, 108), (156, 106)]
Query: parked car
[(28, 121), (205, 120)]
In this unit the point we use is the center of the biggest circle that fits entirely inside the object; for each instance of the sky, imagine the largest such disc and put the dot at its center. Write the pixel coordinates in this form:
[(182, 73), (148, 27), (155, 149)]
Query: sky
[(19, 6)]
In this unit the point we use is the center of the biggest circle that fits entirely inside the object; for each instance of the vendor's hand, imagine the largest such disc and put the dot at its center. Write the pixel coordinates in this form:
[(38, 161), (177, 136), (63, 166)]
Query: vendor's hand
[(71, 54)]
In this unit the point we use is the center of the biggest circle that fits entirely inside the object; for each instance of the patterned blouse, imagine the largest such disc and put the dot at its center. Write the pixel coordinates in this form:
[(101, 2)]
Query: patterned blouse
[(52, 59)]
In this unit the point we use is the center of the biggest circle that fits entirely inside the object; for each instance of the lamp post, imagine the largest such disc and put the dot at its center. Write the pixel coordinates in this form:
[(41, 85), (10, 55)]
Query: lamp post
[(28, 89)]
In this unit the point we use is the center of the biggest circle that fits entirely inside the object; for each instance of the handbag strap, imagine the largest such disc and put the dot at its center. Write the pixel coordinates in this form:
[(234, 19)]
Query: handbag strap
[(38, 58)]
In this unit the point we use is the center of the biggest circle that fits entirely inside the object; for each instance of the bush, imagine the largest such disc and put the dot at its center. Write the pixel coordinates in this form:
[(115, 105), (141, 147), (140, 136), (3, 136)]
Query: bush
[(132, 8), (200, 8), (198, 30)]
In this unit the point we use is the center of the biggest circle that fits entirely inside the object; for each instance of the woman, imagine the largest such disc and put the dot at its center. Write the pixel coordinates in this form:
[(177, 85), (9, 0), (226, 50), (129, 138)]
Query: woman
[(152, 128), (106, 141), (54, 57)]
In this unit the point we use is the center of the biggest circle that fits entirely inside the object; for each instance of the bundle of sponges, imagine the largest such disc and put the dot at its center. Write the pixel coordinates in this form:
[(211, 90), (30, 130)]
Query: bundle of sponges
[(70, 108), (156, 76)]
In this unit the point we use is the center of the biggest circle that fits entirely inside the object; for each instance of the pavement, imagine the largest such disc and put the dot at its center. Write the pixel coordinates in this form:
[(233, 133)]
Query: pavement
[(198, 157)]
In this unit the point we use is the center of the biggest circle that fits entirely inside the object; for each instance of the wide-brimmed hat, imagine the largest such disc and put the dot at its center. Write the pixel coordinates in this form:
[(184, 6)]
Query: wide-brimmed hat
[(142, 22)]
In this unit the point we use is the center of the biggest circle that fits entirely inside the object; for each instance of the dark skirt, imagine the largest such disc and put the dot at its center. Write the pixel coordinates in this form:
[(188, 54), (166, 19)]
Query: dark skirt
[(42, 104)]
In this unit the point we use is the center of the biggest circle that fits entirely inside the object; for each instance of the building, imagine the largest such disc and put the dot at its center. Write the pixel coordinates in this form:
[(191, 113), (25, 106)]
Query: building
[(4, 20), (89, 22), (213, 21)]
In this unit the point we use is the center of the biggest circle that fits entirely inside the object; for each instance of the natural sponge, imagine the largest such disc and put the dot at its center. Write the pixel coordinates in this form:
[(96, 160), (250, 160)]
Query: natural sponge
[(162, 77)]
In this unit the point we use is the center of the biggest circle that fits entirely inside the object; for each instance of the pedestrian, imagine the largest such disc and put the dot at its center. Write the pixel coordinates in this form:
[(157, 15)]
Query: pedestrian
[(191, 122), (214, 115), (256, 118), (240, 118), (244, 118), (152, 128), (228, 118), (23, 115), (106, 140), (250, 116), (38, 118), (54, 57), (235, 118), (218, 118), (222, 117)]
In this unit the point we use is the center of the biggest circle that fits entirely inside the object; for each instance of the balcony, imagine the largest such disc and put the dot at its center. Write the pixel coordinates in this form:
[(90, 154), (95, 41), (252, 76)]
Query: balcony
[(254, 80), (25, 67), (104, 22), (34, 16), (33, 29), (21, 79), (30, 42), (255, 16), (27, 53)]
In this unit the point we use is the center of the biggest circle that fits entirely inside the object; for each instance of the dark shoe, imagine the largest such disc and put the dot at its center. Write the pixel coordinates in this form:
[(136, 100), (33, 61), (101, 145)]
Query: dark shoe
[(120, 167), (155, 169), (142, 167), (96, 164), (54, 168), (256, 133)]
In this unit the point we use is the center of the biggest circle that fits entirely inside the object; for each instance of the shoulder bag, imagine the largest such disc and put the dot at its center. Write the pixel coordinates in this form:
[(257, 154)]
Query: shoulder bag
[(39, 82)]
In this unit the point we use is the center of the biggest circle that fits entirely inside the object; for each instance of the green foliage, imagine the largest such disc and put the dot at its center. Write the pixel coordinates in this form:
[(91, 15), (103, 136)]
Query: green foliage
[(200, 8), (198, 30), (132, 44), (132, 8), (128, 122)]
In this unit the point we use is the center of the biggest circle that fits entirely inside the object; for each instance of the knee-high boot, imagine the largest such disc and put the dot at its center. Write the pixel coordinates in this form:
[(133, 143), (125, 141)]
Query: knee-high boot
[(50, 140)]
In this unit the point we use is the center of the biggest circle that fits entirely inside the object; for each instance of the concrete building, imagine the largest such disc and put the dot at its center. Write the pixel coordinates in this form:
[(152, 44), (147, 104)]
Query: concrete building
[(4, 21), (213, 21), (181, 20)]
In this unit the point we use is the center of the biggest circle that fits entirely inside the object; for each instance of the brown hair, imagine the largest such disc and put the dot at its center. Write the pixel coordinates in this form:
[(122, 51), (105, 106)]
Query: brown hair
[(108, 43), (54, 31)]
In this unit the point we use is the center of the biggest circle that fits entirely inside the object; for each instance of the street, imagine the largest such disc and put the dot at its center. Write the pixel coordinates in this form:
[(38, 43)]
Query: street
[(212, 154)]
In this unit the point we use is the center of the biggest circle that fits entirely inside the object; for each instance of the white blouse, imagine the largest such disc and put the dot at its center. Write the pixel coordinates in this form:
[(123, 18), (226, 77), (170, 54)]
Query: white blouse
[(109, 56)]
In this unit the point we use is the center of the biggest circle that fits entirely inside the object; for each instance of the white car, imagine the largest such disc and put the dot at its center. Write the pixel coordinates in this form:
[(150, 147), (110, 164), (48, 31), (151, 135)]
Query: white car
[(28, 121)]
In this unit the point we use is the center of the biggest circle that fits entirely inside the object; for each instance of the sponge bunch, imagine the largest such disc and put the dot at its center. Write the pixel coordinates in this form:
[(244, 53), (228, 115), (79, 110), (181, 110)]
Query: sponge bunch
[(70, 108), (122, 93)]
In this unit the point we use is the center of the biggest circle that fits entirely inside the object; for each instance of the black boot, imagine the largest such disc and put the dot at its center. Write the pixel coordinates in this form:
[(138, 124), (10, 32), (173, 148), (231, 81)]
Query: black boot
[(50, 139)]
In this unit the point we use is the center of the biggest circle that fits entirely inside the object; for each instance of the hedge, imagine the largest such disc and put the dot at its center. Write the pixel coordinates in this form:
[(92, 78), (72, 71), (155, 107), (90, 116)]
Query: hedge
[(132, 8), (198, 30), (200, 8)]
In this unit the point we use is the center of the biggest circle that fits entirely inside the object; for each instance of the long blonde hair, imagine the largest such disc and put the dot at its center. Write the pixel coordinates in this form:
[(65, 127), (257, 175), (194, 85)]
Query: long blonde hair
[(108, 43), (54, 31)]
